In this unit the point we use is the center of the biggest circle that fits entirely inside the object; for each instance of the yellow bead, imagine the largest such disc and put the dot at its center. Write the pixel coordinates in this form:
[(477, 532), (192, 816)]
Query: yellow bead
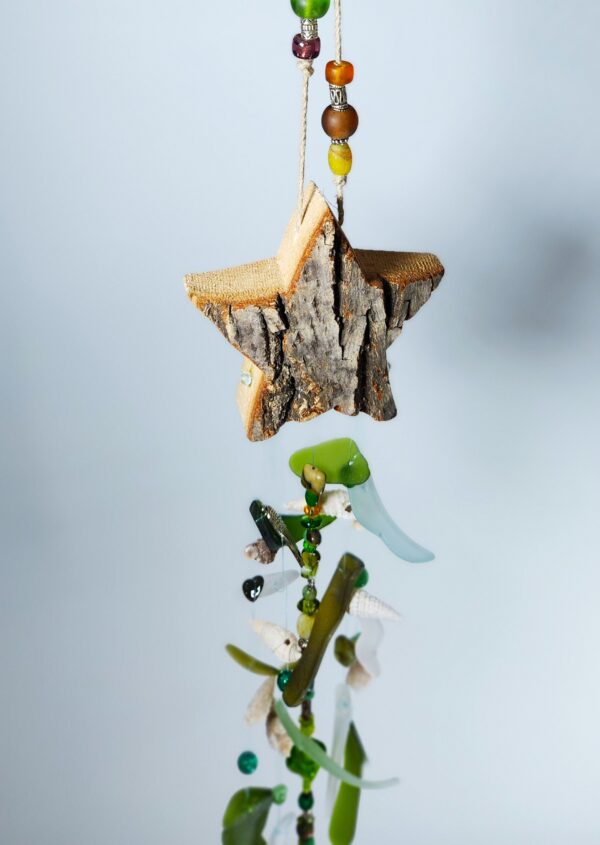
[(305, 625), (340, 159)]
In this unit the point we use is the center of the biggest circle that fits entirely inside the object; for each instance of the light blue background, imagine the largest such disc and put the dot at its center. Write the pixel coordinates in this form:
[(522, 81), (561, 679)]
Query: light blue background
[(140, 141)]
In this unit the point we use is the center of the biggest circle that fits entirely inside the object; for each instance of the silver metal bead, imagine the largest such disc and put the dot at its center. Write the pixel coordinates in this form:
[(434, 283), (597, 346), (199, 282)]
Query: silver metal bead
[(339, 97), (309, 29)]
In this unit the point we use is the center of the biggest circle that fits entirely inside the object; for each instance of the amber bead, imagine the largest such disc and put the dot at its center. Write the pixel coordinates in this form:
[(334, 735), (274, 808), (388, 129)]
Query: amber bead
[(340, 125), (340, 159), (339, 73)]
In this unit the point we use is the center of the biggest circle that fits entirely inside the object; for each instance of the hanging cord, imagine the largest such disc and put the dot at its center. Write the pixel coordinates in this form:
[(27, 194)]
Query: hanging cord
[(306, 68), (340, 181)]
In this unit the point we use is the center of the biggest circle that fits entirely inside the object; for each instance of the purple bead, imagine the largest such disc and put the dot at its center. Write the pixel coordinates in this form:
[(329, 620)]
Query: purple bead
[(305, 49)]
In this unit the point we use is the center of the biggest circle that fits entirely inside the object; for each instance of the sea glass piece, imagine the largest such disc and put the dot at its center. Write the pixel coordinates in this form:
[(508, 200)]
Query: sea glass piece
[(283, 833), (246, 817), (273, 528), (278, 581), (343, 718), (297, 528), (370, 512), (367, 646), (344, 817), (345, 651), (341, 460), (246, 661), (332, 609), (282, 642), (314, 750)]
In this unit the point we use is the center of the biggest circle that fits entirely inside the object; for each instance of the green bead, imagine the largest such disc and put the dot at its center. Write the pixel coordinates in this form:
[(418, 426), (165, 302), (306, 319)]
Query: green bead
[(309, 592), (247, 763), (341, 460), (306, 801), (345, 651), (310, 694), (283, 679), (310, 8), (301, 764), (312, 499), (280, 794), (310, 841), (363, 580), (308, 547), (312, 521)]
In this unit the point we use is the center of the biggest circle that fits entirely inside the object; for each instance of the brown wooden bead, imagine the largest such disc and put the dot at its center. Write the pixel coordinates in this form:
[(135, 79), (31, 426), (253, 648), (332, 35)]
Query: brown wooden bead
[(340, 125)]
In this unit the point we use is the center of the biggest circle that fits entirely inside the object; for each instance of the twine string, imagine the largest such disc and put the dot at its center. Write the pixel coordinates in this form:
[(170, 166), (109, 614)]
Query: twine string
[(306, 68)]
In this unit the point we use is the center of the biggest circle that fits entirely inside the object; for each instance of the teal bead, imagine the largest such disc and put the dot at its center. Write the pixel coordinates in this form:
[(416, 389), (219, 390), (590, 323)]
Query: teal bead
[(306, 801), (363, 580), (311, 9), (310, 694), (283, 679), (247, 763), (280, 794)]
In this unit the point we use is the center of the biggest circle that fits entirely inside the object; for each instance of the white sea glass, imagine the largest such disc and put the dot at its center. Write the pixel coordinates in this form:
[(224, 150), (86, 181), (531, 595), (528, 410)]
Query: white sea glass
[(343, 718)]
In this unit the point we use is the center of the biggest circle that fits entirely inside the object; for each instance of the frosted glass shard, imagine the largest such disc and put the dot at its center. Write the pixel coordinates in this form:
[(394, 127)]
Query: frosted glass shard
[(367, 646), (278, 582), (284, 831), (370, 512), (316, 753), (343, 718)]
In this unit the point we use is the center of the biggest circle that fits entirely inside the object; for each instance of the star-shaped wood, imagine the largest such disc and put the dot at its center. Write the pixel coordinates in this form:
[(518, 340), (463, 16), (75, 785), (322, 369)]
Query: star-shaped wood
[(315, 322)]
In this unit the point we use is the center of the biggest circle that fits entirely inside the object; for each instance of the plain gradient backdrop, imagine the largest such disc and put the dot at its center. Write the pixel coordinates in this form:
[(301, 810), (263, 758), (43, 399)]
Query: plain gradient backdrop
[(143, 140)]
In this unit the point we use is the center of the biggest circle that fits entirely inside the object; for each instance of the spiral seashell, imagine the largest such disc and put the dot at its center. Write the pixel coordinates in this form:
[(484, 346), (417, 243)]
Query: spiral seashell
[(277, 735), (365, 606), (282, 643)]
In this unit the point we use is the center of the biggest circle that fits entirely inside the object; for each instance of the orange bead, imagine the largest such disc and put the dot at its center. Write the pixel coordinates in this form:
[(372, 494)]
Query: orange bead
[(339, 73)]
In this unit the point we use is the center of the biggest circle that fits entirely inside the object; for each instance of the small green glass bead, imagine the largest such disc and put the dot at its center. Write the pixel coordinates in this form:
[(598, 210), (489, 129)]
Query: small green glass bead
[(311, 558), (310, 607), (308, 547), (309, 592), (363, 580), (310, 841), (283, 679), (247, 763), (301, 764), (311, 498), (310, 694), (306, 801), (311, 8), (280, 794), (307, 725), (311, 521)]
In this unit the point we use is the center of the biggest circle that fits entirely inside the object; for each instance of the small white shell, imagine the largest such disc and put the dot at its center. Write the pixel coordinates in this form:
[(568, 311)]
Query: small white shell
[(278, 736), (358, 678), (262, 703), (282, 643), (333, 503), (260, 552), (365, 606)]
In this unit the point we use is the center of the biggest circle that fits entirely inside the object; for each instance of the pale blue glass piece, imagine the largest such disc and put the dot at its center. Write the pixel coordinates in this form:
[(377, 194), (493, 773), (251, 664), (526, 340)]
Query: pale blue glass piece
[(278, 582), (343, 718), (367, 646), (370, 512), (284, 832)]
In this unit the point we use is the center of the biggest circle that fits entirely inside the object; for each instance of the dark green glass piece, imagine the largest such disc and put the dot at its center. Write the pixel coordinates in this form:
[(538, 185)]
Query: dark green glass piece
[(311, 499), (246, 661), (334, 605), (341, 461), (246, 817), (345, 651), (306, 801), (297, 528), (273, 529), (247, 763), (342, 829)]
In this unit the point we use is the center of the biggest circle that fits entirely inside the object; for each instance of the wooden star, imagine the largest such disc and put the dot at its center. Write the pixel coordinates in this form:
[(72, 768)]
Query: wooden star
[(315, 322)]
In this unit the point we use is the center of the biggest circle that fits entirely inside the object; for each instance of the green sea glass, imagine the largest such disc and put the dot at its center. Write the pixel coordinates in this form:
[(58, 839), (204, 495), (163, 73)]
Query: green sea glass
[(341, 460), (314, 750), (296, 526), (246, 817), (246, 661), (342, 829), (332, 609)]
